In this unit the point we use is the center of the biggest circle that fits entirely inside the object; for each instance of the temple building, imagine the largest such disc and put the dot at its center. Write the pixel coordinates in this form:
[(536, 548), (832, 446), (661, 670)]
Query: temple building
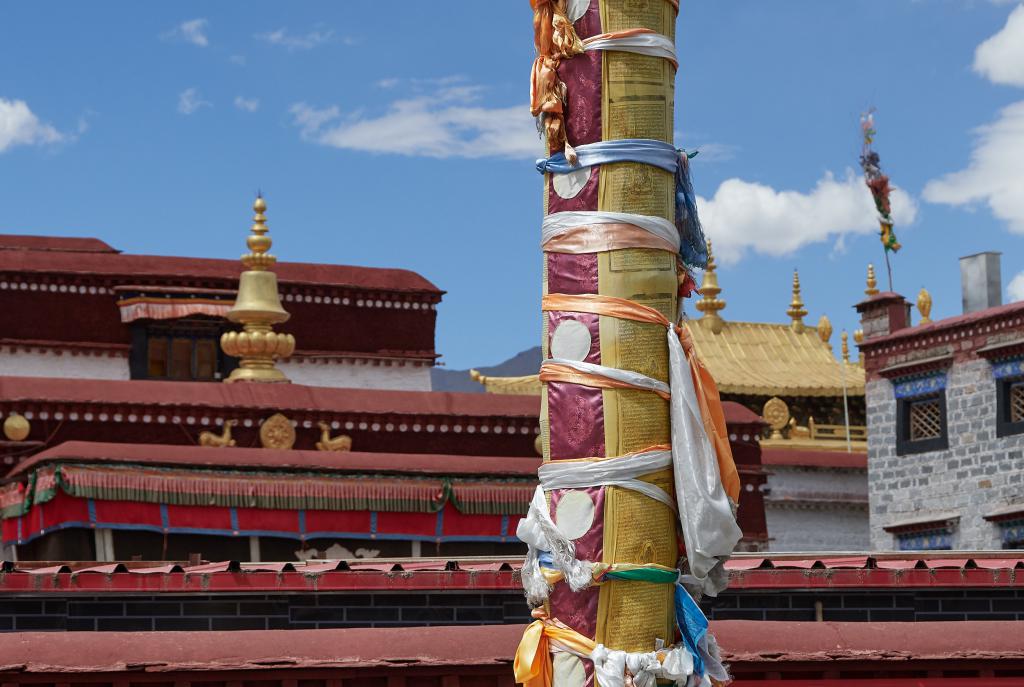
[(122, 439), (810, 463), (945, 403)]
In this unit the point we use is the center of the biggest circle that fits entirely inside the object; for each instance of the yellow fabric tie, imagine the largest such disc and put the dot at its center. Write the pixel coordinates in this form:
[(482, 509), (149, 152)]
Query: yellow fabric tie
[(532, 664)]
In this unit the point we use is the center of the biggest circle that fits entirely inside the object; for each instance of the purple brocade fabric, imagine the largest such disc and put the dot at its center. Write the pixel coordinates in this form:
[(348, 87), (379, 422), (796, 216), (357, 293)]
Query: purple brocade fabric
[(572, 274), (590, 23), (591, 321), (576, 419), (586, 199), (579, 610), (582, 77)]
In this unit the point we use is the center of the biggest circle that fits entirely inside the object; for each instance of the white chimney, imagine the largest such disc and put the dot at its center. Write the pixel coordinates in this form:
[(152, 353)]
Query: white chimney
[(980, 281)]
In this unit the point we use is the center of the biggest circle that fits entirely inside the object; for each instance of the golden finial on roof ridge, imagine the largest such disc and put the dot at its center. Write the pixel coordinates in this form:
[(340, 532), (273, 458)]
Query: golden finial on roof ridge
[(796, 306), (710, 304), (825, 330), (858, 338), (872, 282), (257, 308), (846, 347), (924, 305)]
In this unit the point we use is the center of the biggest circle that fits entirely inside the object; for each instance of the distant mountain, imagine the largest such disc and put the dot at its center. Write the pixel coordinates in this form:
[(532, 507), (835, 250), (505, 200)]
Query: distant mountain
[(519, 365)]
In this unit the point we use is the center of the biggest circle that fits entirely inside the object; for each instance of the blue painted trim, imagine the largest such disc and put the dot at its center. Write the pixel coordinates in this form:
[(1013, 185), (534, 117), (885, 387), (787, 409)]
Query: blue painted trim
[(920, 386), (91, 507), (373, 524), (1008, 368), (233, 513), (302, 523), (439, 528), (165, 517), (258, 533), (504, 526)]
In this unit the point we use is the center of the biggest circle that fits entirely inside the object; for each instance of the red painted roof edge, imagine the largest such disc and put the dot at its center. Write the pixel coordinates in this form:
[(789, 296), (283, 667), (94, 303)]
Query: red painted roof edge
[(813, 458), (749, 642), (272, 459), (936, 326), (178, 268), (738, 414), (225, 398), (62, 244)]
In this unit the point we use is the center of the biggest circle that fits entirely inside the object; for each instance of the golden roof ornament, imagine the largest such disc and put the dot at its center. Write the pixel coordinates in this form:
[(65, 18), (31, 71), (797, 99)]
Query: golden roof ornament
[(776, 414), (872, 282), (277, 432), (924, 306), (16, 427), (710, 304), (846, 347), (258, 308), (825, 330), (796, 306)]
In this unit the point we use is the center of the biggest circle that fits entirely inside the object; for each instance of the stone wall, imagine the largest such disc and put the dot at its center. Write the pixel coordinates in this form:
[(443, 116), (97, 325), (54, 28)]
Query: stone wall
[(817, 509), (976, 475)]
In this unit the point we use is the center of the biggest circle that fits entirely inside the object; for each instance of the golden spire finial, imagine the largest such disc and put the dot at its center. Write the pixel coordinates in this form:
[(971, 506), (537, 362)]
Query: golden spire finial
[(846, 347), (858, 338), (872, 282), (259, 243), (257, 308), (825, 330), (924, 306), (710, 304), (796, 306)]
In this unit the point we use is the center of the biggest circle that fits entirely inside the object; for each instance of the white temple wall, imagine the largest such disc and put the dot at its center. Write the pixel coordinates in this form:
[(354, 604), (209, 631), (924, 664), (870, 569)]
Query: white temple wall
[(65, 365), (348, 375)]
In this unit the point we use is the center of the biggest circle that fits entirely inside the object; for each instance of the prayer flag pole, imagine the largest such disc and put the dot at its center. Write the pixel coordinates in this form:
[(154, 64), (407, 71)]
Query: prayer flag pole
[(878, 184), (635, 513)]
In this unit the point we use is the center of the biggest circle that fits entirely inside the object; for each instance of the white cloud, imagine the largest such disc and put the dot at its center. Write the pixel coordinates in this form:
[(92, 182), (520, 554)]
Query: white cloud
[(297, 41), (446, 122), (19, 126), (995, 174), (192, 31), (743, 216), (1000, 58), (1015, 290), (247, 104), (237, 59), (190, 101)]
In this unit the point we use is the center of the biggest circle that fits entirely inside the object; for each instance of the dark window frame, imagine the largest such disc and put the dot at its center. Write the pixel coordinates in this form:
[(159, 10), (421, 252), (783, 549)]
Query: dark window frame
[(1004, 425), (904, 444), (194, 329)]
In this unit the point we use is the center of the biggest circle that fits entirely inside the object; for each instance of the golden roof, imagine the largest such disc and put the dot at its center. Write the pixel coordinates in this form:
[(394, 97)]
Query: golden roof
[(528, 385), (763, 359)]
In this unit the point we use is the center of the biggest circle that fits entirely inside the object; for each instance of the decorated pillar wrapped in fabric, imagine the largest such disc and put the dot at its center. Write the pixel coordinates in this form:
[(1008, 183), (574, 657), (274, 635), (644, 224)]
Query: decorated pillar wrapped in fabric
[(635, 515)]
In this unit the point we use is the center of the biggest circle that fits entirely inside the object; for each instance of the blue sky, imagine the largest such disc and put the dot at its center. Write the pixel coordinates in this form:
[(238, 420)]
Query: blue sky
[(401, 138)]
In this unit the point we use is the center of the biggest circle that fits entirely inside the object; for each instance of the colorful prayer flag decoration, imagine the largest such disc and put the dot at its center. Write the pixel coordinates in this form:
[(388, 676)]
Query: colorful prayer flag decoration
[(877, 182)]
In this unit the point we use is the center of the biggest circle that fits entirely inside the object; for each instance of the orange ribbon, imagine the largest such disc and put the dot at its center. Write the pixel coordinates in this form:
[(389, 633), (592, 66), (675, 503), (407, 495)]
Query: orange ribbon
[(532, 664), (708, 397), (555, 39), (600, 238)]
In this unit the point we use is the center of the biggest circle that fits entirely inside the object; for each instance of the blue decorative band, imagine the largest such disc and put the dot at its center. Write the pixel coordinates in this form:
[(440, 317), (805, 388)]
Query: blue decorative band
[(920, 386), (1008, 368), (941, 539)]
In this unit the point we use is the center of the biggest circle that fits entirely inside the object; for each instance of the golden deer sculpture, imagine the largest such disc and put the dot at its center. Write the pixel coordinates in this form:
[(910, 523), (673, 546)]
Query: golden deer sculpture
[(222, 439), (342, 442)]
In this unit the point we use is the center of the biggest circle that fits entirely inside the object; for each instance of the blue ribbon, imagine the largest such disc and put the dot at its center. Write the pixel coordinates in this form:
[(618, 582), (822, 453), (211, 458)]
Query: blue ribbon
[(693, 625), (692, 246)]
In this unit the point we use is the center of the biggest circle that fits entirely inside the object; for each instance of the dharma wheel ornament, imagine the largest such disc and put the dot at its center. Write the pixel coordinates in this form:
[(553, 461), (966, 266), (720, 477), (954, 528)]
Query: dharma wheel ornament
[(258, 308)]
